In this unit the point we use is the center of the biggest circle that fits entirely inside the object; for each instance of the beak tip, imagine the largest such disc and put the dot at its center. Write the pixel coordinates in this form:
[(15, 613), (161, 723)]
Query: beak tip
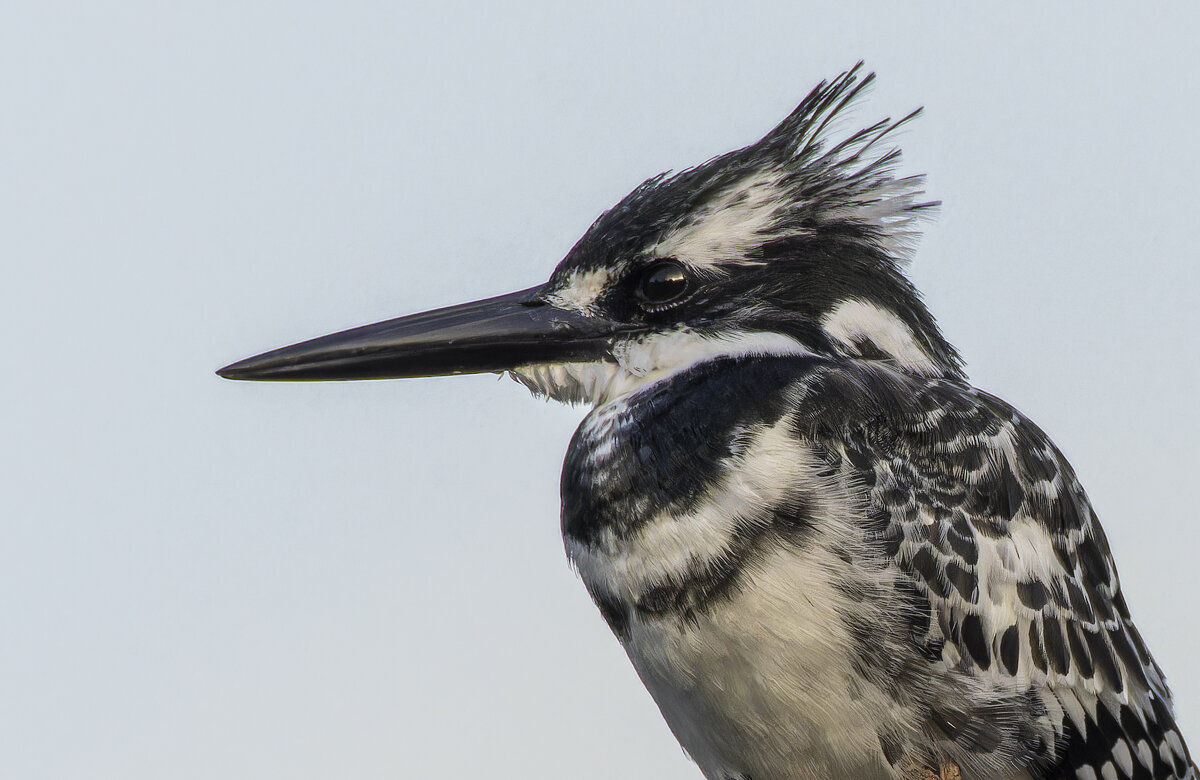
[(235, 371)]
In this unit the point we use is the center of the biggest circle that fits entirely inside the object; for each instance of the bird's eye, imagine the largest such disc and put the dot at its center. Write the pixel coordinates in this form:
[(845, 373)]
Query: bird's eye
[(662, 283)]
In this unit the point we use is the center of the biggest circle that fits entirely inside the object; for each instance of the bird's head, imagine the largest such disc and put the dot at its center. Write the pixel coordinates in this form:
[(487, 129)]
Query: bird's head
[(793, 245)]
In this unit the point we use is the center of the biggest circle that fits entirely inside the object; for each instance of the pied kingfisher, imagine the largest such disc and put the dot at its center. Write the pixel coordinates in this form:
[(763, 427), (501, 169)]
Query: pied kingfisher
[(826, 554)]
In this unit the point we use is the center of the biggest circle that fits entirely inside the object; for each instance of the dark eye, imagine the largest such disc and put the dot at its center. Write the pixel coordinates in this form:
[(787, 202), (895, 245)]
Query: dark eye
[(663, 282)]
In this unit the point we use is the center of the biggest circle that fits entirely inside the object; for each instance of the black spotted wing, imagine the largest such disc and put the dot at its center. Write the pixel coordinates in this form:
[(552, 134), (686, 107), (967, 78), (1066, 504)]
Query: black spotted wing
[(986, 518)]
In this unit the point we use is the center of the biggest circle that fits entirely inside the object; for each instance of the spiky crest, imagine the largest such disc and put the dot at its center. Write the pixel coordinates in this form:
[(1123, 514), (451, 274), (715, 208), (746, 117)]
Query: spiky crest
[(793, 182)]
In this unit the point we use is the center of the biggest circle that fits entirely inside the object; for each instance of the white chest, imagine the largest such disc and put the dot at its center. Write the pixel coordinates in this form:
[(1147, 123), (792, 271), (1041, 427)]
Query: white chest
[(763, 685), (732, 613)]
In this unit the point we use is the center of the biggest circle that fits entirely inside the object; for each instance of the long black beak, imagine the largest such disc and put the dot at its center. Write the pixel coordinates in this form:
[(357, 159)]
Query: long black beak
[(496, 334)]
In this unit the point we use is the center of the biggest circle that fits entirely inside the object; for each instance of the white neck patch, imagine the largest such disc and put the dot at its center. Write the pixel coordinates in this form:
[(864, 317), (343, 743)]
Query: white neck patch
[(853, 323), (643, 361)]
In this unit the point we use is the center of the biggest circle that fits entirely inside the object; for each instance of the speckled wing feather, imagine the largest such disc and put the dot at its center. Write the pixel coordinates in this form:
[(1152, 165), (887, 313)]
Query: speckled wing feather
[(984, 515)]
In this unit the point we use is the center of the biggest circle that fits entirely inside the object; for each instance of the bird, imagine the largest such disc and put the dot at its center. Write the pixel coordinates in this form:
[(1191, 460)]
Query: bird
[(825, 552)]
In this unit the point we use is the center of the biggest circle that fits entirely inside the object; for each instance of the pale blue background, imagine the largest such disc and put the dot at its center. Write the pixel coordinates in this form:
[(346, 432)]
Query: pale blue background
[(204, 579)]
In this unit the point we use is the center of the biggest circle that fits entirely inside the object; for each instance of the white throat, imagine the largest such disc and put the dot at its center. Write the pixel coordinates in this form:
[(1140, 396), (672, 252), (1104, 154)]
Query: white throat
[(643, 361)]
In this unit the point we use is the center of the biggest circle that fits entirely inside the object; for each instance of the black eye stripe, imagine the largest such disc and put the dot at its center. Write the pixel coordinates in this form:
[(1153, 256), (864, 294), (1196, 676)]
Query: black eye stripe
[(663, 282)]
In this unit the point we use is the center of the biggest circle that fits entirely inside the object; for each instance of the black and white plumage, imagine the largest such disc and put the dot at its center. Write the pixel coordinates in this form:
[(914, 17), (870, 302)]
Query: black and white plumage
[(825, 552)]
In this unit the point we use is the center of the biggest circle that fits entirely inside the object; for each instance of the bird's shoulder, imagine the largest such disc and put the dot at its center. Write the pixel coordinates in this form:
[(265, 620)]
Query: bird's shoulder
[(1014, 581)]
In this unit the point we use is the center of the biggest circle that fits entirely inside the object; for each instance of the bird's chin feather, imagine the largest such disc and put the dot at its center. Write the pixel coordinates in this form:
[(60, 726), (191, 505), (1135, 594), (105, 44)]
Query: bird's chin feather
[(569, 383), (595, 383)]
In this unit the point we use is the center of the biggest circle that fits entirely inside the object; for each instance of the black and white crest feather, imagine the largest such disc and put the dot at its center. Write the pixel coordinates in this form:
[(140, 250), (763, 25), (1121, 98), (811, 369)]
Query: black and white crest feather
[(795, 182)]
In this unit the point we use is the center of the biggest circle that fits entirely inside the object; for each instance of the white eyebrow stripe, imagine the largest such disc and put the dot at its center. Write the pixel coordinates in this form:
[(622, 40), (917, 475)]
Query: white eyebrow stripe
[(725, 230)]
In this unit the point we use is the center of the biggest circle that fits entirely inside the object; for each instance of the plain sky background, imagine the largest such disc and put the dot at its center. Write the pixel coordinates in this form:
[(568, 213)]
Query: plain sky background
[(207, 579)]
